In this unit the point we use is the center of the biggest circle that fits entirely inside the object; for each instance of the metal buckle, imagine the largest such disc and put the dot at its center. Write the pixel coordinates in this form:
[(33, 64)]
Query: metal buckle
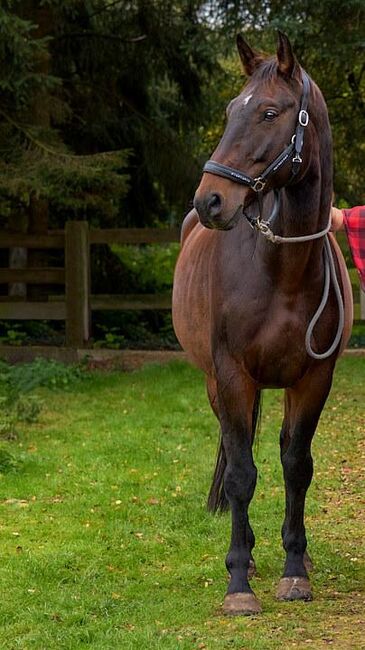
[(265, 230), (297, 158), (303, 118), (258, 185), (263, 226)]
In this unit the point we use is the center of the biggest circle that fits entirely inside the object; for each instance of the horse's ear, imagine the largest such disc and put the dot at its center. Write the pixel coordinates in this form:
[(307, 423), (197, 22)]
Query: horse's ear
[(248, 56), (287, 63)]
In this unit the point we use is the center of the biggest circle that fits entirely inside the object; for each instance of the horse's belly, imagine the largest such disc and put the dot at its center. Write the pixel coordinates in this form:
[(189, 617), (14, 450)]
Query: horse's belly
[(190, 299), (191, 324)]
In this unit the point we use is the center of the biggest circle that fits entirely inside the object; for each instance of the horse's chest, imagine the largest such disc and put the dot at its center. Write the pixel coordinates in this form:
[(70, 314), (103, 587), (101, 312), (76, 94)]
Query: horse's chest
[(272, 346)]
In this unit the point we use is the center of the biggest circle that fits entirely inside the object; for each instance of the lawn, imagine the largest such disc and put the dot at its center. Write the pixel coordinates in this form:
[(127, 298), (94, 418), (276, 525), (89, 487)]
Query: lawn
[(106, 543)]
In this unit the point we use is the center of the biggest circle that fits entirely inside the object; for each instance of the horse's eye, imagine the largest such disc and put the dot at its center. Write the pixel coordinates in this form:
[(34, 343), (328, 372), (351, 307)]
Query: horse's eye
[(270, 115)]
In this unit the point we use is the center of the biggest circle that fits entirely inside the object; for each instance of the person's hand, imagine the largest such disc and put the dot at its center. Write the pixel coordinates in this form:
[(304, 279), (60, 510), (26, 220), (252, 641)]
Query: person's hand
[(336, 219)]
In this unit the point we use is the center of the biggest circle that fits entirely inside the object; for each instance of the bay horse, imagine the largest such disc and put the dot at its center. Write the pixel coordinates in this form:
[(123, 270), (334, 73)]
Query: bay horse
[(251, 274)]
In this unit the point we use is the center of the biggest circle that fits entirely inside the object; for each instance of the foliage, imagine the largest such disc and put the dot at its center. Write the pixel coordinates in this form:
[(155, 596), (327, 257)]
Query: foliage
[(153, 265), (18, 53), (112, 339), (106, 541), (357, 336), (74, 185), (141, 330), (24, 378), (17, 383), (31, 332), (13, 334), (146, 103), (145, 269), (8, 462), (36, 157), (171, 68)]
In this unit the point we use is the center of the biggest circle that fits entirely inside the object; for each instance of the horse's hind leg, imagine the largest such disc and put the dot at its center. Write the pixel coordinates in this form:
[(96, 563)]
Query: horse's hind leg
[(304, 404), (236, 398)]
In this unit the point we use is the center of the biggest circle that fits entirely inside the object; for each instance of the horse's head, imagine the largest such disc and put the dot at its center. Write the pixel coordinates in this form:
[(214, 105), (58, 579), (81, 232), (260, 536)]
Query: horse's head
[(261, 122)]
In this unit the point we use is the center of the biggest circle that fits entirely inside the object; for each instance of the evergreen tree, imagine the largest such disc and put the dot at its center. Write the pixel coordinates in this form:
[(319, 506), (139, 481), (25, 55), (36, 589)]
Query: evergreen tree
[(37, 163), (108, 108), (95, 90)]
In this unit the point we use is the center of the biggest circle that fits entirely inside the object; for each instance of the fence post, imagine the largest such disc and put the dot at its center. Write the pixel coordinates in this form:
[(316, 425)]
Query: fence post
[(77, 283)]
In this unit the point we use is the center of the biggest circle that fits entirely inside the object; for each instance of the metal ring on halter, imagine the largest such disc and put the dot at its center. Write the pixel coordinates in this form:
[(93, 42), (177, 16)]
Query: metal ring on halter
[(258, 185), (303, 118)]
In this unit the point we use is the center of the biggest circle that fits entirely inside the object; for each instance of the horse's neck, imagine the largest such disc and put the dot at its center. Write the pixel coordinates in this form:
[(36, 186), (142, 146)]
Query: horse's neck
[(303, 211)]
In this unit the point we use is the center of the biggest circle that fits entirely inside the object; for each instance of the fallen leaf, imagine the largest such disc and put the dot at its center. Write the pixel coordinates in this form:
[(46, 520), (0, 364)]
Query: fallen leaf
[(153, 502)]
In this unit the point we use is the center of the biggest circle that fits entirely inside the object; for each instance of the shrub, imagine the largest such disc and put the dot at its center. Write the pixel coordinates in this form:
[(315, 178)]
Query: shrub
[(17, 404)]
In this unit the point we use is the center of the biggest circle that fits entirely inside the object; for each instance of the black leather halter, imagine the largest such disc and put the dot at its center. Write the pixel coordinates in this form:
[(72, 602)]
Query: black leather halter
[(293, 151)]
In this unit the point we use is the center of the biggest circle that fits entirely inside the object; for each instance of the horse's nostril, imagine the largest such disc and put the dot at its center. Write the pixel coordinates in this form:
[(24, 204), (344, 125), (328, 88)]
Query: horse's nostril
[(209, 206), (214, 205)]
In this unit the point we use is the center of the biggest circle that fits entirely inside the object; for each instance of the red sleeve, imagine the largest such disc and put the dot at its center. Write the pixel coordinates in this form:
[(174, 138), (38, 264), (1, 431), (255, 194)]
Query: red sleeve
[(354, 220)]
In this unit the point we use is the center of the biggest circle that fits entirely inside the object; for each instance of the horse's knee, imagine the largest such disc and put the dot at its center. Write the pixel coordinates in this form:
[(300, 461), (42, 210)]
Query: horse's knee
[(240, 482), (298, 469)]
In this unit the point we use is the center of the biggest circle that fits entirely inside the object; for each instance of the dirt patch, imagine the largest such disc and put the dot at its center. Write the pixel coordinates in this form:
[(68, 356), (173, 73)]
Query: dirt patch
[(130, 359), (103, 359), (100, 359)]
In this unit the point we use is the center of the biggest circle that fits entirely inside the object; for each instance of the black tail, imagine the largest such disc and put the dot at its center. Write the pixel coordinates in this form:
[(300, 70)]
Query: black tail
[(217, 500)]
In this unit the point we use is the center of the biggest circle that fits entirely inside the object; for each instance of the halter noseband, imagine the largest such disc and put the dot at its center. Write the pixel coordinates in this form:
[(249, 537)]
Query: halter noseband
[(295, 147)]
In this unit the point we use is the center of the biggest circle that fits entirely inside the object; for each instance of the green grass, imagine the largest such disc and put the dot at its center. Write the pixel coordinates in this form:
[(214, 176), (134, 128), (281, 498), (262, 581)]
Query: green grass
[(106, 543)]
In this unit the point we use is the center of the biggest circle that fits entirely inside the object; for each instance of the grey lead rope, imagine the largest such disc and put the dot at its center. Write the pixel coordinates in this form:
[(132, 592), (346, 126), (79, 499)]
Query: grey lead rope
[(329, 275), (264, 228)]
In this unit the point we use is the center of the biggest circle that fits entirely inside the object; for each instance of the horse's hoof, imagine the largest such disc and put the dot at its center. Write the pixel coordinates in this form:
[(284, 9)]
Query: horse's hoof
[(241, 604), (294, 588), (251, 570)]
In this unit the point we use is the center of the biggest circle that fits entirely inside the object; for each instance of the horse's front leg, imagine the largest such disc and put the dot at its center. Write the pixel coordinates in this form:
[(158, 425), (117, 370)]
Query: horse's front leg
[(236, 397), (304, 404)]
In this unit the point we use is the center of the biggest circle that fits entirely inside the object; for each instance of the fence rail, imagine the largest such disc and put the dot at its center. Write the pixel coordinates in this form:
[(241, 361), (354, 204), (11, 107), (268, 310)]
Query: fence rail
[(77, 303)]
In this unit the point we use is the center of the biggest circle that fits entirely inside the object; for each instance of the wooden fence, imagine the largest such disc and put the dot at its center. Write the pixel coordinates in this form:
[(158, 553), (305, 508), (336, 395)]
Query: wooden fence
[(78, 302)]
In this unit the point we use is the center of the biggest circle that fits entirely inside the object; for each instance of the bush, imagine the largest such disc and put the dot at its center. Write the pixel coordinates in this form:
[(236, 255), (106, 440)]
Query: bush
[(7, 462), (16, 384)]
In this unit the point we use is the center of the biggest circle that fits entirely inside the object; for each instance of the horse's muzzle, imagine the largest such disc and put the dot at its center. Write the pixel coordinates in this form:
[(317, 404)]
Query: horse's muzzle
[(211, 215), (209, 207)]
